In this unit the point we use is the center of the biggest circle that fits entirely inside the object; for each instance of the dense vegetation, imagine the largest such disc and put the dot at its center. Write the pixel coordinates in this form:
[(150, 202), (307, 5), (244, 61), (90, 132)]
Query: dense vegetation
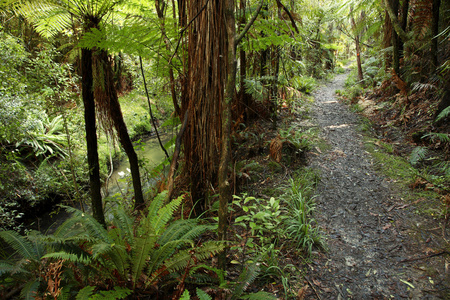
[(83, 79)]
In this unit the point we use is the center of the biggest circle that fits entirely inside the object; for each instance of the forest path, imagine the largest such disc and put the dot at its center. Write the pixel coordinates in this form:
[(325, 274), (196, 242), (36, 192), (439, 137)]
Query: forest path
[(366, 229)]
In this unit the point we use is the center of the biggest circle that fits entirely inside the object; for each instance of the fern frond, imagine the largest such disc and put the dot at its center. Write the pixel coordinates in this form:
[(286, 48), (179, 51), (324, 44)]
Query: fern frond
[(202, 295), (125, 223), (165, 214), (143, 246), (438, 137), (30, 290), (247, 276), (23, 246), (188, 229), (89, 224), (182, 259), (163, 253), (418, 154), (116, 293), (443, 114), (422, 87), (261, 295), (85, 293), (156, 205), (5, 267), (113, 256), (82, 259)]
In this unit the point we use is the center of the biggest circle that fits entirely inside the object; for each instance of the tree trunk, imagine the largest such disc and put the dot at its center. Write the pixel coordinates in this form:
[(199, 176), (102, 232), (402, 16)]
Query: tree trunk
[(203, 96), (225, 158), (396, 40), (358, 49), (435, 32), (108, 102), (91, 135), (405, 10)]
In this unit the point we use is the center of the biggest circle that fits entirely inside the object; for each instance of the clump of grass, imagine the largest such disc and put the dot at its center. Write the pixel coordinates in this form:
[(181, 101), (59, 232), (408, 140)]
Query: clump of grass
[(299, 221)]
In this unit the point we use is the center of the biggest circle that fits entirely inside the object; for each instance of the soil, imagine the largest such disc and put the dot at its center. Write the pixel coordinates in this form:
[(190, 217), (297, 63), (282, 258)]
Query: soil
[(378, 246)]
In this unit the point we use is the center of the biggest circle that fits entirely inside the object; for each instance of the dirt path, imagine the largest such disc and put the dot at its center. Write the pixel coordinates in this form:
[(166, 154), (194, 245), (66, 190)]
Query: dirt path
[(367, 230)]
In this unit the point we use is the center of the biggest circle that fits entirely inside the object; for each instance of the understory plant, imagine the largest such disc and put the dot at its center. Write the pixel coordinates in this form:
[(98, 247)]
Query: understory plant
[(132, 254)]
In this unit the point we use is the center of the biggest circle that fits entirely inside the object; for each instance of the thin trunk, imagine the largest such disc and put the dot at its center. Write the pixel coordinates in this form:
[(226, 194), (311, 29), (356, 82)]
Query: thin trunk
[(396, 40), (107, 99), (91, 135), (393, 13), (435, 32), (358, 49), (159, 9), (174, 162), (405, 9), (225, 158)]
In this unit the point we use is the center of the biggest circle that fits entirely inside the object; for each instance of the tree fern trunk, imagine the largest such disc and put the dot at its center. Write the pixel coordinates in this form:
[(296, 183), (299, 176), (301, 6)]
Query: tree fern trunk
[(108, 102), (91, 135)]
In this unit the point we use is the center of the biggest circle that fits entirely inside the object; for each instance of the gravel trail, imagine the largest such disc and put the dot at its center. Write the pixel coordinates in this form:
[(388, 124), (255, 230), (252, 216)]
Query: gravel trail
[(366, 228)]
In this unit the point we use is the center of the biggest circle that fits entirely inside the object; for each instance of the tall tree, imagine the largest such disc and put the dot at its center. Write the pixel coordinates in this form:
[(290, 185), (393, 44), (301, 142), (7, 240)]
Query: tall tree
[(52, 17), (203, 95)]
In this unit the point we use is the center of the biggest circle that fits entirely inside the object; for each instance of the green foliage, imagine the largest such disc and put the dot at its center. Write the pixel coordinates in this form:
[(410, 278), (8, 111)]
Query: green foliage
[(299, 222), (46, 138), (22, 265), (418, 154), (131, 248), (305, 84), (88, 293), (134, 253), (300, 139), (263, 218)]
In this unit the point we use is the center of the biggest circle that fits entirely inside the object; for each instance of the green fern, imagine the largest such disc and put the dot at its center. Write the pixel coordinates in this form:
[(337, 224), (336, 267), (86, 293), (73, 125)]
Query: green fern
[(418, 154), (438, 137), (202, 295), (443, 114), (247, 276), (24, 266)]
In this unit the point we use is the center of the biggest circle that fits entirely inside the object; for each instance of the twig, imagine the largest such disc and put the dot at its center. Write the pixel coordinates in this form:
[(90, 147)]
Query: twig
[(425, 257), (312, 286), (150, 110)]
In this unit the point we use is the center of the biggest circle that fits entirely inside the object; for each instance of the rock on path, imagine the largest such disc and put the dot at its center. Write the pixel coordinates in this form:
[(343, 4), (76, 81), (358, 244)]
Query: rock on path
[(365, 232)]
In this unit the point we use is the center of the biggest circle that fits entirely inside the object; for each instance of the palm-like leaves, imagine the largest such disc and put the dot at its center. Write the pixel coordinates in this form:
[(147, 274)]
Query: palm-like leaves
[(25, 262), (47, 137), (131, 248)]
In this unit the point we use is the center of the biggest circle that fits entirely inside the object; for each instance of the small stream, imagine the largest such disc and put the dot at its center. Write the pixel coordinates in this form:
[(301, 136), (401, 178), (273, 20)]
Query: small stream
[(151, 153)]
